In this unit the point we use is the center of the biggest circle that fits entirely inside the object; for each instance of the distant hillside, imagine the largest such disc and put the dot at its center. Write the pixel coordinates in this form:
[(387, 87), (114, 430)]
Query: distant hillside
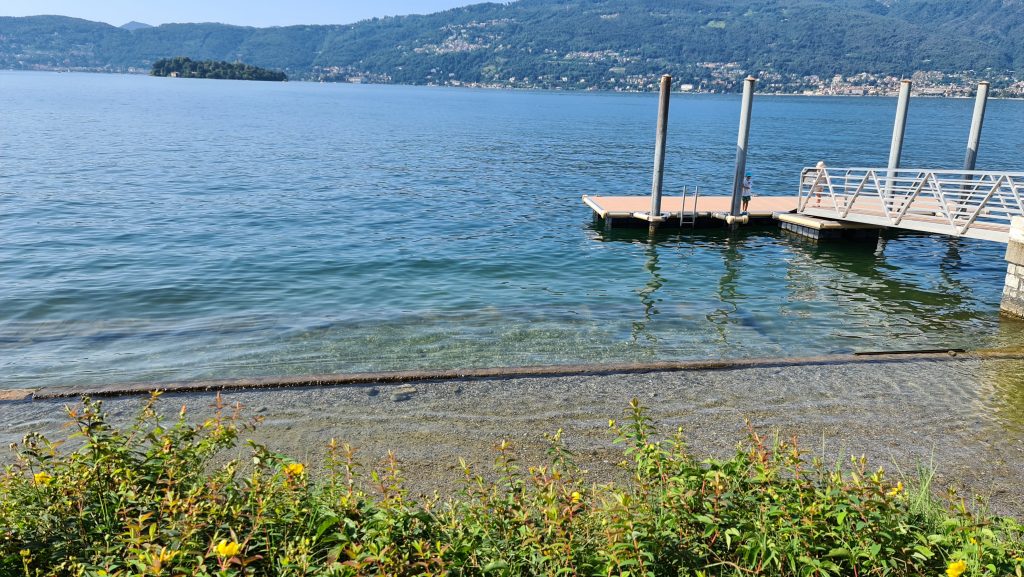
[(133, 25), (573, 43)]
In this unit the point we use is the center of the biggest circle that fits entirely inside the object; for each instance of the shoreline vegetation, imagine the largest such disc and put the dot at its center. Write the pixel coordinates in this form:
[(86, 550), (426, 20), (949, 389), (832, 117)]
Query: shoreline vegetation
[(163, 496), (184, 67)]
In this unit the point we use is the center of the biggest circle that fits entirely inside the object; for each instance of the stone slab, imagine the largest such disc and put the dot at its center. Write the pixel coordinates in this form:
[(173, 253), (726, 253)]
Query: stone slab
[(1015, 252), (16, 395), (1012, 304), (1017, 229)]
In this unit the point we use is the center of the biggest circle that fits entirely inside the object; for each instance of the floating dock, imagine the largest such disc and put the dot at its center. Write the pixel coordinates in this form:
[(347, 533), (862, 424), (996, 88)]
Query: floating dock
[(635, 208), (710, 210), (825, 229)]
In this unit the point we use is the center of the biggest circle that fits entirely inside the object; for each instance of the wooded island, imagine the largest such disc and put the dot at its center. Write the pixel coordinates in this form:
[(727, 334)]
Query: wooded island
[(184, 67)]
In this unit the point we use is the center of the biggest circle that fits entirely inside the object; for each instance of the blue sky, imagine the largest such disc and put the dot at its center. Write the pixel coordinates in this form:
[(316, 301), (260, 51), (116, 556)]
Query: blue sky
[(241, 12)]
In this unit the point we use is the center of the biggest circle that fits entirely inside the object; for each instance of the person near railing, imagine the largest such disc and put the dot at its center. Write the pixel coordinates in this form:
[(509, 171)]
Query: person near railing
[(813, 179), (747, 191)]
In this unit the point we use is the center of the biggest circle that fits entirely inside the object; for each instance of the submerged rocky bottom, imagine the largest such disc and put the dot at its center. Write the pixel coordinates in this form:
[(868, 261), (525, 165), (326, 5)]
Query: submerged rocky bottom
[(964, 417)]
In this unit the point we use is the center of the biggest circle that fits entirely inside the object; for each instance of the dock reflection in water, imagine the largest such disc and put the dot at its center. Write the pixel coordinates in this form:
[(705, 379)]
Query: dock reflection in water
[(760, 292)]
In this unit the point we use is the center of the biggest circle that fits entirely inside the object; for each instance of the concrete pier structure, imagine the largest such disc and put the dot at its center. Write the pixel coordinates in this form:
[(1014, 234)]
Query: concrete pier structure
[(826, 229), (1012, 303)]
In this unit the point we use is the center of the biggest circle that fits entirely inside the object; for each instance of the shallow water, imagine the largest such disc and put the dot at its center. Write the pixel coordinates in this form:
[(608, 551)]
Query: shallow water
[(964, 418), (163, 229)]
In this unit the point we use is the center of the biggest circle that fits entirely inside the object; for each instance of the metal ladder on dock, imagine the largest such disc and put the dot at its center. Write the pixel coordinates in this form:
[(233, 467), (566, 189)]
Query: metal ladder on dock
[(691, 217)]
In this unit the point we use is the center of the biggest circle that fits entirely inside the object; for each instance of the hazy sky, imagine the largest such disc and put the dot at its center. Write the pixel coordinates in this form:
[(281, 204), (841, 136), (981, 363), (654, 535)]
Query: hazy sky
[(241, 12)]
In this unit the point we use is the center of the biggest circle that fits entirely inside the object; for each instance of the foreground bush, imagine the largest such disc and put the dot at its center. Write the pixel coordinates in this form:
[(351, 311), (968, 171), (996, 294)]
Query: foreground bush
[(149, 499)]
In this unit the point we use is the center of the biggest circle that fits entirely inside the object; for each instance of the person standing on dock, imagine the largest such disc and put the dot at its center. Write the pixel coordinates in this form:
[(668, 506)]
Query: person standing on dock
[(747, 192), (815, 178)]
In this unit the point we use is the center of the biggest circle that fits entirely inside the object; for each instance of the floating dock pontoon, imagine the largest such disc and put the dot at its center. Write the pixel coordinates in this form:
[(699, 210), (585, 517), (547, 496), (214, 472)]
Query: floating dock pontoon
[(673, 209)]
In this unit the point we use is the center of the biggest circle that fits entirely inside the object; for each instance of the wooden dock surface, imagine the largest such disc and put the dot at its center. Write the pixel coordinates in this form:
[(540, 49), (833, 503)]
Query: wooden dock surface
[(625, 206)]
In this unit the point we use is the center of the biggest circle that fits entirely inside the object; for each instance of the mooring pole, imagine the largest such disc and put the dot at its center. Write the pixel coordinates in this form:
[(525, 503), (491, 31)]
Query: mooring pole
[(659, 151), (979, 118), (896, 147), (741, 144)]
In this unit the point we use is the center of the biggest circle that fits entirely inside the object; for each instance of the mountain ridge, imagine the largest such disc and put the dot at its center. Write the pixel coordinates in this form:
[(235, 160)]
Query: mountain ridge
[(134, 25), (568, 43)]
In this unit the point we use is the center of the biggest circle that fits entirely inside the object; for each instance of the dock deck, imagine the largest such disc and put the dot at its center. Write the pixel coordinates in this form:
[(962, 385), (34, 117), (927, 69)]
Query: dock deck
[(626, 206)]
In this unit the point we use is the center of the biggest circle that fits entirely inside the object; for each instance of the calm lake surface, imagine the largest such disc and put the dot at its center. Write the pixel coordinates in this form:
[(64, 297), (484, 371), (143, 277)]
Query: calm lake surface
[(165, 229)]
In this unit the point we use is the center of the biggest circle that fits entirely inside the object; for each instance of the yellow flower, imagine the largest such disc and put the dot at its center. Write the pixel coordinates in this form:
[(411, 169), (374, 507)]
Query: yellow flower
[(956, 568), (575, 496), (895, 490), (225, 549), (295, 469), (42, 478)]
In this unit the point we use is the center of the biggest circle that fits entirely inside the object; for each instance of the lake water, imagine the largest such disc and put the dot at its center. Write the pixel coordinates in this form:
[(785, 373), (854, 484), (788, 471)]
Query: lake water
[(165, 229)]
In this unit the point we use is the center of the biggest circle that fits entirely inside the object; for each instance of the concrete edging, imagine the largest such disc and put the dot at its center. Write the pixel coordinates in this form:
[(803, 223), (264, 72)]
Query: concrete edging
[(397, 377)]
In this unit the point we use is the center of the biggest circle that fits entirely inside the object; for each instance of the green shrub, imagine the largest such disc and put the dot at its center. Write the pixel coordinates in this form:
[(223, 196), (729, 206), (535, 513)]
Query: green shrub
[(158, 499)]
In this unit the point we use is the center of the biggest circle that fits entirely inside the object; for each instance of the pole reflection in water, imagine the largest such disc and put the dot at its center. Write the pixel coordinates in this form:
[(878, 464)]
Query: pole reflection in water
[(728, 283), (950, 266), (647, 298), (880, 247)]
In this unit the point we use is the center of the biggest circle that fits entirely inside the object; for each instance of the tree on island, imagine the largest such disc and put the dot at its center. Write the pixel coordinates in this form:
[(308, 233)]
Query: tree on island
[(185, 67)]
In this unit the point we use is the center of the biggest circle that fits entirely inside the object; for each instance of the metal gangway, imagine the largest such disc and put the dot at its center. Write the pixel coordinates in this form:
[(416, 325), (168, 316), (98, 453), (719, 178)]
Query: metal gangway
[(960, 203)]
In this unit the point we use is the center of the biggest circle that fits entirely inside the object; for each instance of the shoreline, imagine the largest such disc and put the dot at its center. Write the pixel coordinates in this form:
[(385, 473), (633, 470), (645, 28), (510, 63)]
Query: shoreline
[(568, 370), (962, 415), (531, 89)]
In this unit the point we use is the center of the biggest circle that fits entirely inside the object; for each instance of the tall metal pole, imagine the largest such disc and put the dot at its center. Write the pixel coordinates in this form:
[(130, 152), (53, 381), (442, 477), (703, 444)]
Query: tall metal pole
[(659, 149), (979, 118), (896, 147), (741, 144)]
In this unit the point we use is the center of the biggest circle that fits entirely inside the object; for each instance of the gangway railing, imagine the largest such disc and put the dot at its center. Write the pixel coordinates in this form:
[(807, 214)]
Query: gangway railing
[(961, 203)]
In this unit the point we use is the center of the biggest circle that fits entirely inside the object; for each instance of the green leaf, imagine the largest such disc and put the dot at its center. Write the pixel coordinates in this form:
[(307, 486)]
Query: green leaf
[(495, 566), (325, 525), (926, 552), (729, 534), (839, 552)]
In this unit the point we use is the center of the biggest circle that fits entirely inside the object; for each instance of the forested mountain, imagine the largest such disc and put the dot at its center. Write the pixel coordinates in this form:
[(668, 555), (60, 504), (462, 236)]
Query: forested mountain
[(566, 42), (133, 25)]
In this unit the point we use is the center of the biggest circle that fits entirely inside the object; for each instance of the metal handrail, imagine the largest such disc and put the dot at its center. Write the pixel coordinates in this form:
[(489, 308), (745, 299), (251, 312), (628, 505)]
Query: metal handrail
[(968, 203), (691, 217)]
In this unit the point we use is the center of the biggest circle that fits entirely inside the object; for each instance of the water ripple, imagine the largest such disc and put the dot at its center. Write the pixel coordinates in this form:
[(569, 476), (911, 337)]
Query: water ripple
[(193, 229)]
